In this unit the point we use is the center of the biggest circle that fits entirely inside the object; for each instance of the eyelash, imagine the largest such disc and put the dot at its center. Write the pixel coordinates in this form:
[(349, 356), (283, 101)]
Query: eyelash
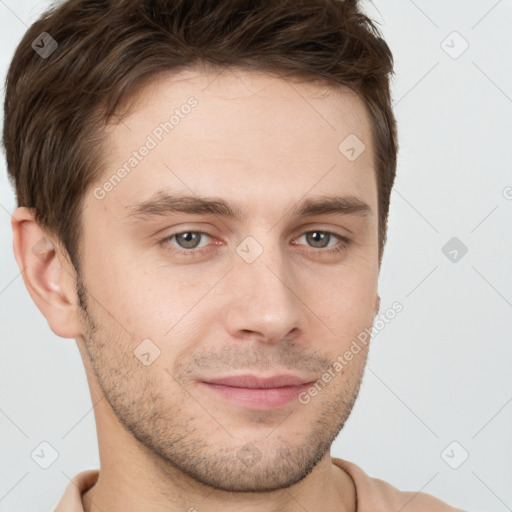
[(345, 242)]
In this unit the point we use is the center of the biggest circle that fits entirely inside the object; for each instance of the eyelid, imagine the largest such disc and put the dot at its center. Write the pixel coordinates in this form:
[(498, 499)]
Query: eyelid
[(299, 232), (338, 231)]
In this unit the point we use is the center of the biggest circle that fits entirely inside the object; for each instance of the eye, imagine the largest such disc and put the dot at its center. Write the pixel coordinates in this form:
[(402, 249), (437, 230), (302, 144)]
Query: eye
[(187, 243), (187, 240), (319, 239)]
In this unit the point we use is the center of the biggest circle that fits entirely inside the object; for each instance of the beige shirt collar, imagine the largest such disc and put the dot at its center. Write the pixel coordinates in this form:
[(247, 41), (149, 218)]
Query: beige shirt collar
[(372, 493)]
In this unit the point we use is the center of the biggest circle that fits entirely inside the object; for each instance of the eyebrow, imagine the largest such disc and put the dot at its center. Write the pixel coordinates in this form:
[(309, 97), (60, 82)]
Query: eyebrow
[(163, 203)]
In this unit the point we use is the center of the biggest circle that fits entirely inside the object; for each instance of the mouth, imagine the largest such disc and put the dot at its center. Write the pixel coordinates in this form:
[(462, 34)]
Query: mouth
[(256, 392)]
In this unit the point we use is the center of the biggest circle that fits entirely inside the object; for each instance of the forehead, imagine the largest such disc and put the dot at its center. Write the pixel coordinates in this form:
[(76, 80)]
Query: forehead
[(238, 133)]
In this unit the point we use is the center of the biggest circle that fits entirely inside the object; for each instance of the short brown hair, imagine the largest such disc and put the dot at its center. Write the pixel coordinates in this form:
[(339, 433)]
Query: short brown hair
[(56, 107)]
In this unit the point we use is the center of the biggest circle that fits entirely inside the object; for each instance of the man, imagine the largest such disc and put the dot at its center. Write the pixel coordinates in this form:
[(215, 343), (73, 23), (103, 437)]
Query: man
[(203, 190)]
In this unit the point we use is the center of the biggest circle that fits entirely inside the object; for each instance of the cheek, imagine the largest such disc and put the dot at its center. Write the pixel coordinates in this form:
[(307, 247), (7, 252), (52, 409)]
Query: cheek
[(161, 305), (345, 303)]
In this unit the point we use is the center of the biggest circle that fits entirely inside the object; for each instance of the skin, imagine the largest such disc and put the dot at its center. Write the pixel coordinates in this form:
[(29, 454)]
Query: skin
[(166, 442)]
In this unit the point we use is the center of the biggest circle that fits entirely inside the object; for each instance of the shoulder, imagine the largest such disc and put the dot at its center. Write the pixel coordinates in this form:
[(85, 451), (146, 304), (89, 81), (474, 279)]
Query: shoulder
[(375, 494)]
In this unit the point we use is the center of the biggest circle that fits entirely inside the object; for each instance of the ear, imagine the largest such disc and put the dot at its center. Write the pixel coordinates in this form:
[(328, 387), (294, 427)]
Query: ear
[(377, 305), (47, 273)]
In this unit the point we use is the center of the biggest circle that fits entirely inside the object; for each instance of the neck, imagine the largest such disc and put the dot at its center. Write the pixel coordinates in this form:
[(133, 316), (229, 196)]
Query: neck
[(130, 487)]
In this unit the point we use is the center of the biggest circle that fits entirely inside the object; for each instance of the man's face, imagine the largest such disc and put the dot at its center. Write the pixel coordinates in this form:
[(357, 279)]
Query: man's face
[(264, 294)]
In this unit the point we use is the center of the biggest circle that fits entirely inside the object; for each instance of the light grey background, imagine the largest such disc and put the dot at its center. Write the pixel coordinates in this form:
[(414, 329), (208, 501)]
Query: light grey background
[(439, 372)]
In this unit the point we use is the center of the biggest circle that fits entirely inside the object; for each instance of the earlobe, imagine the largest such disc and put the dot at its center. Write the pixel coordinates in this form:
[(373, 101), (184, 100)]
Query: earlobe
[(47, 275)]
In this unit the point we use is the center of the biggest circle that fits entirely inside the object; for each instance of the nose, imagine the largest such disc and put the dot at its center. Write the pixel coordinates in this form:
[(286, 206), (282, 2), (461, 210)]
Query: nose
[(263, 298)]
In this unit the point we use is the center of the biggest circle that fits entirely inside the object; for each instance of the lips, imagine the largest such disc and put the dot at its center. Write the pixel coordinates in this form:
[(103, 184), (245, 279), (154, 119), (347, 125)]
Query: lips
[(253, 381), (255, 392)]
